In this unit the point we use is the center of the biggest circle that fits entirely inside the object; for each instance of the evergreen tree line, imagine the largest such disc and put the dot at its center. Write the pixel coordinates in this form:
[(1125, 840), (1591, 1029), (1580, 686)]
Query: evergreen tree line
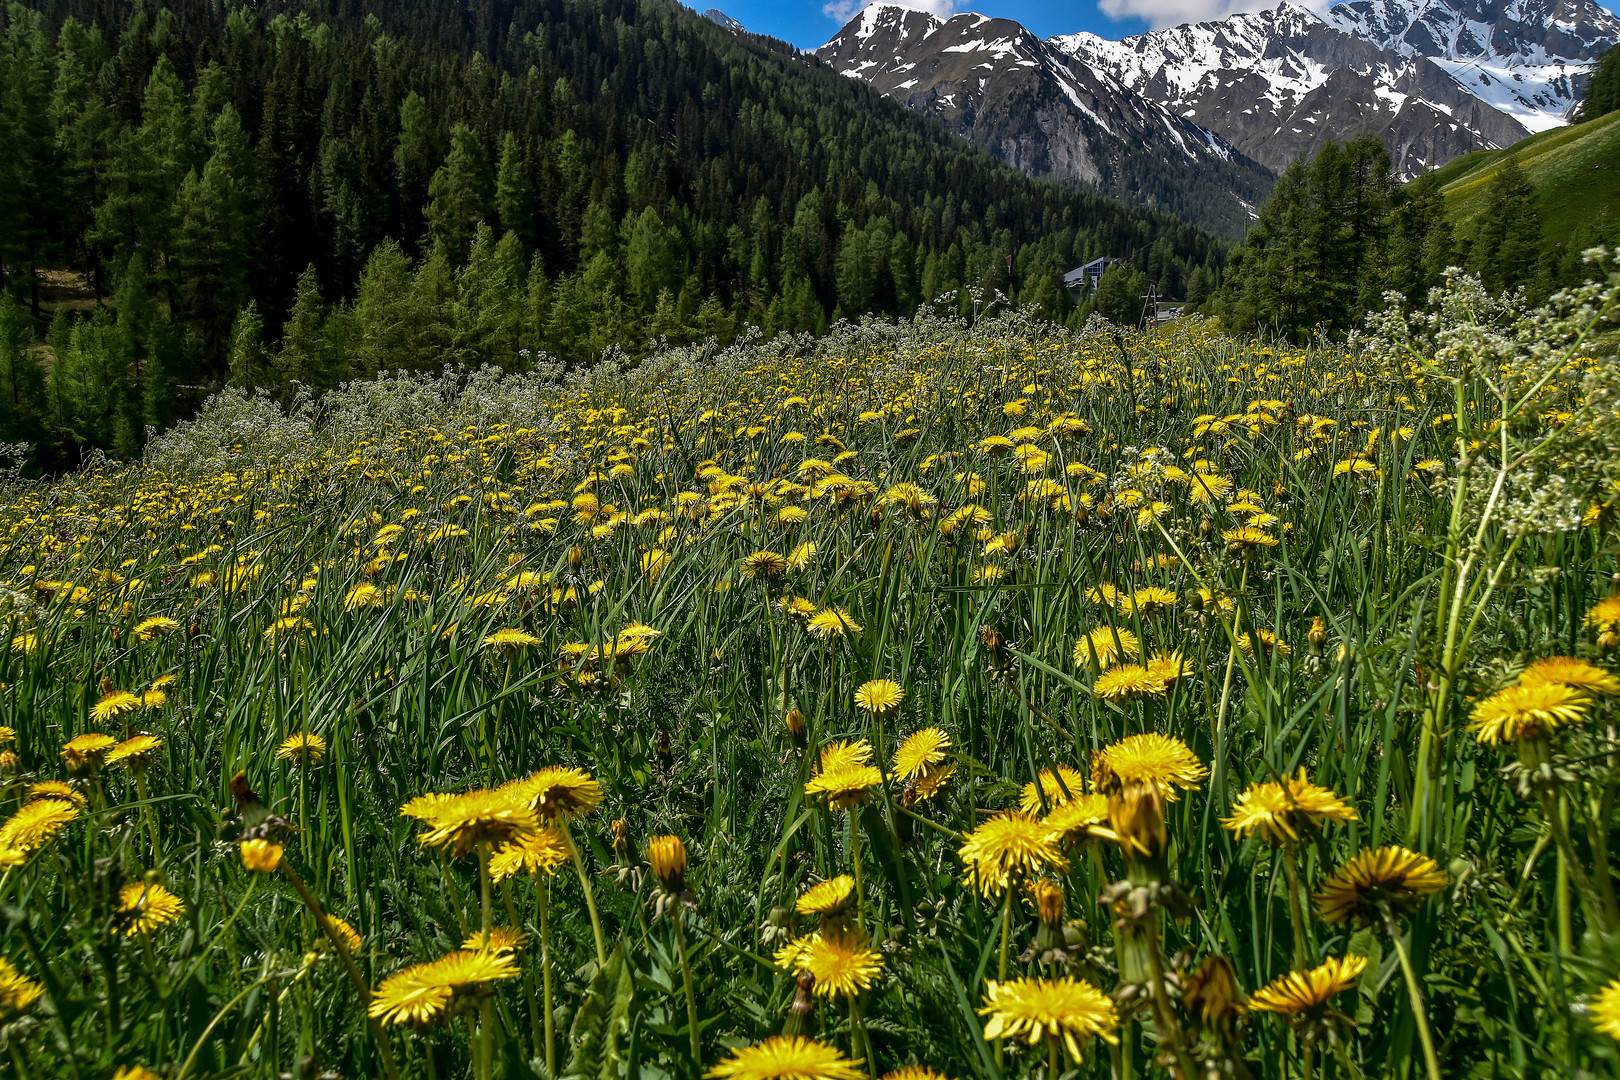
[(1339, 232), (1602, 95), (284, 192)]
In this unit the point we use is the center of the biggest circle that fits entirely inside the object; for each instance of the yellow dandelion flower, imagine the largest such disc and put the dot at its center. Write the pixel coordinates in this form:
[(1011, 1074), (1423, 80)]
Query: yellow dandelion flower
[(510, 641), (1105, 645), (502, 939), (1376, 883), (1010, 844), (423, 991), (17, 991), (37, 823), (113, 705), (843, 963), (763, 566), (832, 622), (1058, 788), (1160, 760), (144, 907), (880, 697), (787, 1057), (1281, 811), (830, 897), (1527, 711), (1307, 992), (305, 748), (136, 751), (1128, 682), (920, 750), (1031, 1010), (531, 853), (260, 856), (1573, 673), (1605, 1010), (462, 822), (557, 792)]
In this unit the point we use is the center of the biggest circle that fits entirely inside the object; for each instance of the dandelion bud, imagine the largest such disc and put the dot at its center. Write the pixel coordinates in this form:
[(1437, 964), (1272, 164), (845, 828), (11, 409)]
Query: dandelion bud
[(1137, 817), (260, 856), (10, 763), (803, 1010), (1212, 996), (622, 848), (1608, 641), (991, 638), (576, 556), (667, 857), (1048, 897), (1206, 526), (795, 725), (1318, 635)]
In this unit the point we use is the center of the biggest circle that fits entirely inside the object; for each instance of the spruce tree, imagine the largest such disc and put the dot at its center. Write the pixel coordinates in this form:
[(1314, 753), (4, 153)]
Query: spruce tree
[(1507, 248), (460, 195)]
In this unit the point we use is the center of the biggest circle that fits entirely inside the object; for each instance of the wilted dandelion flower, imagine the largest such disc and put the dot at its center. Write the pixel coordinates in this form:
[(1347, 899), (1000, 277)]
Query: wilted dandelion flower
[(1156, 759), (1104, 645), (557, 792), (305, 748), (1376, 882), (1527, 712), (787, 1057), (260, 856), (930, 783), (1281, 811), (880, 697), (1070, 1010), (144, 907), (1306, 992), (423, 991), (920, 750), (1058, 788), (1009, 844)]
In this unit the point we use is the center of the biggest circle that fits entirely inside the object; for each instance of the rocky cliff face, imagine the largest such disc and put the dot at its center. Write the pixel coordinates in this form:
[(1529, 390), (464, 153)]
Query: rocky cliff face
[(1001, 87), (1528, 58), (1282, 82)]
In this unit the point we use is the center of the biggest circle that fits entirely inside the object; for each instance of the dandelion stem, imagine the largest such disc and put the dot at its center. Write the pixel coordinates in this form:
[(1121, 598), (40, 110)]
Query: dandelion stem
[(528, 973), (1291, 868), (544, 904), (691, 996), (590, 897), (1415, 994)]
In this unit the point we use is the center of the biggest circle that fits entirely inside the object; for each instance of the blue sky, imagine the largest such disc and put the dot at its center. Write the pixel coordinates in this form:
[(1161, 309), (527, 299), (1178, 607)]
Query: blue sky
[(808, 24)]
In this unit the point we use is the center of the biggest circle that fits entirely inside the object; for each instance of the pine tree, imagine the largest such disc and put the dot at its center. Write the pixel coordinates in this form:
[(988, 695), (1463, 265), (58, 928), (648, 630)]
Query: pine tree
[(461, 194), (302, 356), (1603, 90), (514, 197), (1507, 248), (1421, 244)]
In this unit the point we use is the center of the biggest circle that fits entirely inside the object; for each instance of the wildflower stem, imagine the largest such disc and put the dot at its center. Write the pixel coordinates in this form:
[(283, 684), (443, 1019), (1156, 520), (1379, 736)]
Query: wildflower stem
[(341, 947), (590, 897), (855, 864), (1414, 994), (544, 903), (1001, 967), (691, 996), (1291, 868), (528, 973)]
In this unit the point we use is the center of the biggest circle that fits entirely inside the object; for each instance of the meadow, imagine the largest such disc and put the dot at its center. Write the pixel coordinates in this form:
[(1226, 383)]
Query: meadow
[(932, 700)]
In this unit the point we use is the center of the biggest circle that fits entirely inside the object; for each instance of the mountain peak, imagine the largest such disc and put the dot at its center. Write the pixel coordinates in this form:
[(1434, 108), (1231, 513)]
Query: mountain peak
[(720, 18)]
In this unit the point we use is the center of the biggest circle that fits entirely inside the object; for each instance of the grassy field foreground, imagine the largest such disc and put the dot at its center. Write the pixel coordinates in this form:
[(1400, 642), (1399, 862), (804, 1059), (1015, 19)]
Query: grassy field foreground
[(924, 701)]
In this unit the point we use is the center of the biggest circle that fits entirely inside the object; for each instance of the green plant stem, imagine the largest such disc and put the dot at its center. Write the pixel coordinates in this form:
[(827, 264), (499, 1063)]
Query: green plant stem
[(1001, 966), (1291, 868), (528, 972), (691, 995), (855, 865), (590, 898), (341, 947), (1414, 994), (544, 903)]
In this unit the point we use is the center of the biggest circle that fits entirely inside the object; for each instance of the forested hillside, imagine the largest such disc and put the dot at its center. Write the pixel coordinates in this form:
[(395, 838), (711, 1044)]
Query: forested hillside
[(195, 191), (1338, 233)]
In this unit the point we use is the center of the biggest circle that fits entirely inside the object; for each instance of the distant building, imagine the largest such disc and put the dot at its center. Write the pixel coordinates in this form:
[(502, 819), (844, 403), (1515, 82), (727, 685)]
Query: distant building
[(1083, 279)]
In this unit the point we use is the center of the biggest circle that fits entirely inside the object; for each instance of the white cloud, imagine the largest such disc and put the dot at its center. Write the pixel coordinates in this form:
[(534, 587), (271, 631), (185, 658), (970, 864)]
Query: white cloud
[(845, 10), (1162, 13)]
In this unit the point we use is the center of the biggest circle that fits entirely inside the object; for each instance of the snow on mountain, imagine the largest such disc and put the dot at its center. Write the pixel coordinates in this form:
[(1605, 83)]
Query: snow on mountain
[(1528, 58), (1281, 82), (720, 18), (1036, 107)]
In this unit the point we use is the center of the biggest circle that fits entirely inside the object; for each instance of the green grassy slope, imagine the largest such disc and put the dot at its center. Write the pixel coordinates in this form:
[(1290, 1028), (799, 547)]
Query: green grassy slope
[(1575, 170)]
